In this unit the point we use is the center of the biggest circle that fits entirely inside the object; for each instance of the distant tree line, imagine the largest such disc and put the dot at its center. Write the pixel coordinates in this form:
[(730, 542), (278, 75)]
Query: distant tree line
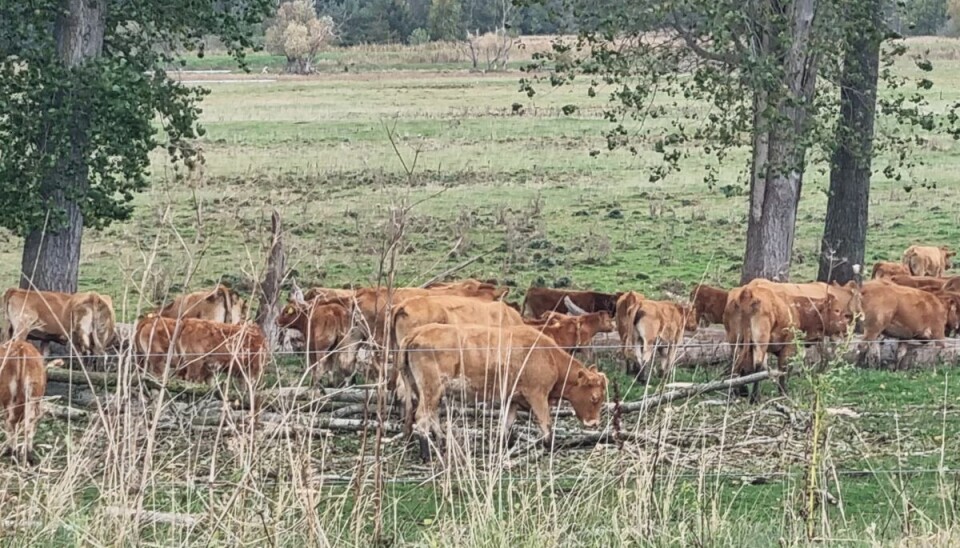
[(417, 21)]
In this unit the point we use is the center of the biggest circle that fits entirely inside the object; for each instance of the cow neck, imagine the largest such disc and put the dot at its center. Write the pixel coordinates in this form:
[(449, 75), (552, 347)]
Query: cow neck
[(567, 380)]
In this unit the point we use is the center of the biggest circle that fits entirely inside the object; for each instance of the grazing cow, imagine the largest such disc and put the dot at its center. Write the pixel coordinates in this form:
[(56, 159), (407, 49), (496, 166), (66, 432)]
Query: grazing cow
[(328, 333), (220, 304), (820, 319), (472, 286), (23, 381), (83, 321), (515, 366), (207, 347), (573, 332), (903, 313), (758, 320), (196, 349), (444, 309), (541, 299), (928, 260), (888, 269), (708, 303), (650, 326)]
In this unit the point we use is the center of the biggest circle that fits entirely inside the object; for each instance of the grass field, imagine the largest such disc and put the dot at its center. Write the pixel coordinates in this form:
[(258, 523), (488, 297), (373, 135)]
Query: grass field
[(524, 192)]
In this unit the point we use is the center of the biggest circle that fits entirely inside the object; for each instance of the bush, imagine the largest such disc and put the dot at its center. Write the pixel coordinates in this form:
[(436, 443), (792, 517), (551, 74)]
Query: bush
[(418, 37), (298, 34)]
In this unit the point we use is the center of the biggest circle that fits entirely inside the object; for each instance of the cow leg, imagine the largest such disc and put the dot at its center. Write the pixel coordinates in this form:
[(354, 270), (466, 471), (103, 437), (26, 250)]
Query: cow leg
[(540, 407), (31, 415), (783, 360), (671, 360), (902, 349)]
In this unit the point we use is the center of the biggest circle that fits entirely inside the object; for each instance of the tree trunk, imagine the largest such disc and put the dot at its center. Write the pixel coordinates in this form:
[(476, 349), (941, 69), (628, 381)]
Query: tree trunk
[(51, 254), (845, 229), (779, 154), (269, 290)]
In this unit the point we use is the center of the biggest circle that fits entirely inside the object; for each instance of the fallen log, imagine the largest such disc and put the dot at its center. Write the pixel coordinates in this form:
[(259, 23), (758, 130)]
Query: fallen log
[(689, 392)]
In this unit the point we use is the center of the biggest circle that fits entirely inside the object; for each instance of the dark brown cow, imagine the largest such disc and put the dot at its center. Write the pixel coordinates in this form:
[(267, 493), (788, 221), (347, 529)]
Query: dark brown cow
[(23, 381), (541, 299), (709, 303), (515, 366)]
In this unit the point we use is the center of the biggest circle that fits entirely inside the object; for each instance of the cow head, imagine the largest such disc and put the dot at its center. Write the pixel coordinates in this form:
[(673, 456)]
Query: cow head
[(290, 314), (948, 254), (605, 323), (586, 392), (836, 320), (691, 321), (951, 302)]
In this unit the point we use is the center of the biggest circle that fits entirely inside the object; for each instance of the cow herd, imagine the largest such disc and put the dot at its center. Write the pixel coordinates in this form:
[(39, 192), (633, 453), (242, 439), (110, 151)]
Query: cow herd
[(465, 338)]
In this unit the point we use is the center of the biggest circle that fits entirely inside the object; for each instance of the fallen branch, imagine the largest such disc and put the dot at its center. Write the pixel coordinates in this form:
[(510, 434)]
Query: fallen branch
[(689, 392)]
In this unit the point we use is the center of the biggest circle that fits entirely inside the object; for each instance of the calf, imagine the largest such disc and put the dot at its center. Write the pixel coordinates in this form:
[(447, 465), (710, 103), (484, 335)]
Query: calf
[(220, 304), (658, 326), (515, 366), (23, 381), (708, 303), (928, 260), (902, 313), (207, 347), (820, 319), (152, 340), (82, 321), (328, 333), (887, 269), (539, 300), (758, 321)]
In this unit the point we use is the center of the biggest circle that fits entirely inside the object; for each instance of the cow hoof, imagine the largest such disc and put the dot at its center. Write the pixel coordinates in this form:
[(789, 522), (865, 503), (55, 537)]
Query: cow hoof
[(424, 449), (548, 444), (32, 458)]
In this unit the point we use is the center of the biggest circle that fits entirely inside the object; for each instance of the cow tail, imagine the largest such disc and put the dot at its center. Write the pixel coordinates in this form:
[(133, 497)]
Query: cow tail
[(403, 368), (225, 295), (398, 313)]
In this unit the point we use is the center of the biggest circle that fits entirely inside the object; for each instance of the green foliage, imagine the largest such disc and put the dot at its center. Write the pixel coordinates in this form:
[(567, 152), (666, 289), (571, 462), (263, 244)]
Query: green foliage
[(923, 17), (97, 117), (445, 20)]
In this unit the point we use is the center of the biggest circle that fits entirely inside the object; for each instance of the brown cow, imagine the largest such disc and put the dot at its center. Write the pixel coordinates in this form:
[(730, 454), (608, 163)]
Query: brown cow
[(758, 320), (515, 366), (328, 333), (902, 313), (151, 340), (571, 333), (328, 294), (83, 321), (220, 304), (656, 327), (541, 299), (472, 286), (926, 283), (708, 303), (815, 290), (888, 269), (928, 260), (418, 311), (23, 381), (207, 347), (819, 319), (196, 348)]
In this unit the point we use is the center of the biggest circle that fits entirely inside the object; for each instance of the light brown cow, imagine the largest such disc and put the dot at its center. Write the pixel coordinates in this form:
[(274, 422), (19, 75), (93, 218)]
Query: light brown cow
[(417, 311), (328, 332), (758, 321), (328, 294), (819, 319), (572, 333), (82, 321), (472, 286), (220, 304), (656, 327), (815, 290), (23, 381), (515, 366), (928, 260), (888, 269), (902, 313), (709, 303), (539, 300)]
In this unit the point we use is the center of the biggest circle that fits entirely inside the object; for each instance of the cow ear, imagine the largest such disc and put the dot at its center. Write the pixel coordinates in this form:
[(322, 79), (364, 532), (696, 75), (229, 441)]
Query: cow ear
[(581, 376), (592, 368)]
